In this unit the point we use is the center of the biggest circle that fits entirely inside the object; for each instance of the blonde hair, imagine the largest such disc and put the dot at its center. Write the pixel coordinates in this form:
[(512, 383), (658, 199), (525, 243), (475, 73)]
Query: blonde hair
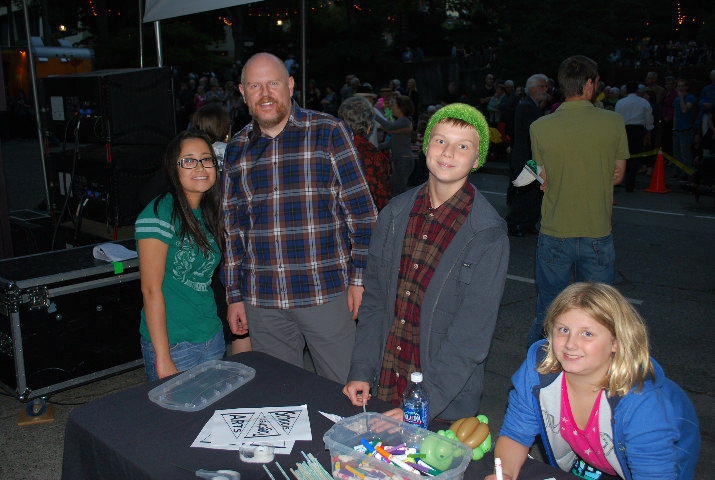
[(630, 364)]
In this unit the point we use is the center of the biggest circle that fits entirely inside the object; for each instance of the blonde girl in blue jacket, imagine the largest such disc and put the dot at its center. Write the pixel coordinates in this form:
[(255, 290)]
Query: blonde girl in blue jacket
[(602, 405)]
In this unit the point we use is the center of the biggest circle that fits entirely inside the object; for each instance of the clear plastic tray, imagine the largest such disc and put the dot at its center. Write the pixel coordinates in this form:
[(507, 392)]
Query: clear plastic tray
[(201, 386)]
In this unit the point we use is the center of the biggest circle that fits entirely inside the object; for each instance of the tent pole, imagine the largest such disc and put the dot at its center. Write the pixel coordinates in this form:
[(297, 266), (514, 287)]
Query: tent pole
[(36, 100), (302, 52), (141, 38), (157, 34)]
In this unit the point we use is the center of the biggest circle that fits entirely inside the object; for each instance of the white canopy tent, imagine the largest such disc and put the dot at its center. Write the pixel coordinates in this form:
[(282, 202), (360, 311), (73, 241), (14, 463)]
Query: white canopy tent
[(162, 9)]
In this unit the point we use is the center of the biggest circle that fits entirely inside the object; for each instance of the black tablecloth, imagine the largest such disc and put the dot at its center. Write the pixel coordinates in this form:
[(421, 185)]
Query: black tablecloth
[(126, 436)]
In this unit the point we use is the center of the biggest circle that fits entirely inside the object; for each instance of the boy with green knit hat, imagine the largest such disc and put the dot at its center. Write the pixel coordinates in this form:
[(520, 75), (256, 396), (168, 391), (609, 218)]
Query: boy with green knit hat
[(434, 279)]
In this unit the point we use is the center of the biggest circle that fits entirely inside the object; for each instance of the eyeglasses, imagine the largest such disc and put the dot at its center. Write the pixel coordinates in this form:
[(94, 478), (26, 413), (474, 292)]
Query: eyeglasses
[(189, 163)]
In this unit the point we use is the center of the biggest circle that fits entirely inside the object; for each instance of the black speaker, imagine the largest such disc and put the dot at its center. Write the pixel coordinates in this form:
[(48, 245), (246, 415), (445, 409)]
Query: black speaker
[(108, 180), (32, 232), (123, 106)]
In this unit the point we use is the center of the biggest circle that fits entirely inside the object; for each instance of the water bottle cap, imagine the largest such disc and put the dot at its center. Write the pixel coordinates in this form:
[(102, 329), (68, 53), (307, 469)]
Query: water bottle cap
[(416, 377)]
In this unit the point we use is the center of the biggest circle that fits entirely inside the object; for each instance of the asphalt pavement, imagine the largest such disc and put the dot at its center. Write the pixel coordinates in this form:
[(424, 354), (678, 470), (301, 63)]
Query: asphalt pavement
[(665, 260)]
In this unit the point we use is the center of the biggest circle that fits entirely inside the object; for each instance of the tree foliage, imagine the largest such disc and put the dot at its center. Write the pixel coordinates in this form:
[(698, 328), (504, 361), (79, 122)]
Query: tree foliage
[(345, 36), (539, 35)]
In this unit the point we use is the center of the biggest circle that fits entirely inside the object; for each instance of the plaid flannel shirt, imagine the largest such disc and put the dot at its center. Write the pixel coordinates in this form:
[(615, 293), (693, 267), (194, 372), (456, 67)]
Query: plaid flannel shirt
[(429, 233), (298, 213)]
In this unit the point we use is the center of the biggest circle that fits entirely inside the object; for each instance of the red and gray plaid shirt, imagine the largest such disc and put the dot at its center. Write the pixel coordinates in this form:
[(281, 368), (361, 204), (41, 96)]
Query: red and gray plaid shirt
[(429, 233)]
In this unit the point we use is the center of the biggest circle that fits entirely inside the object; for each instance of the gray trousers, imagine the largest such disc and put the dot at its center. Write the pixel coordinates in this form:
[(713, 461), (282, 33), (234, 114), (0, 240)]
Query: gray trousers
[(328, 330)]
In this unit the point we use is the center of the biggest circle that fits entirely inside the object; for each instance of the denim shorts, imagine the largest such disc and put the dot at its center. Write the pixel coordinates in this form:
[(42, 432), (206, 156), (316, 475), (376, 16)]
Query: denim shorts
[(185, 355)]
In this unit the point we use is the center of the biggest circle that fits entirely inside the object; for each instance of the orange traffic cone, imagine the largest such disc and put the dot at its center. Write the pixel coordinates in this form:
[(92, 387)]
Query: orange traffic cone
[(657, 181)]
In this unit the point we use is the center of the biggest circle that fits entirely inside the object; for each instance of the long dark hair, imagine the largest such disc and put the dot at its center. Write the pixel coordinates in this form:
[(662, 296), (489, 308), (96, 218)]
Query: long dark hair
[(189, 227), (213, 118)]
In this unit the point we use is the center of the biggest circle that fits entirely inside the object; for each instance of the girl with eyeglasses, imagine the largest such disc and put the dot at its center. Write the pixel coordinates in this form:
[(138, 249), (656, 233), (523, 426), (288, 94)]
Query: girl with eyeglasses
[(177, 237)]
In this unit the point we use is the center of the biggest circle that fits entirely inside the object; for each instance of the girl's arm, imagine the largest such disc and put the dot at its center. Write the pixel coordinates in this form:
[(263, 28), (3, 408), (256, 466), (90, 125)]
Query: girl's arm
[(512, 454), (152, 265)]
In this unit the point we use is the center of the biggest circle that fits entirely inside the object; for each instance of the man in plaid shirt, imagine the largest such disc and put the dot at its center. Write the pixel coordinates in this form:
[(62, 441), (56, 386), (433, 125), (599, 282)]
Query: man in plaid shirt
[(298, 216)]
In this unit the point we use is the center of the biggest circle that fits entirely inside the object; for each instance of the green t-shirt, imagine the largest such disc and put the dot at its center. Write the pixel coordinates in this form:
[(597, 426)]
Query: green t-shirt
[(190, 306), (578, 145)]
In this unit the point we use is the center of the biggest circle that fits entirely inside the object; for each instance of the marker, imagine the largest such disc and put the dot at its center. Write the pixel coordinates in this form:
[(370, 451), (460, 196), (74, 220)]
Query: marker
[(497, 468), (434, 471), (421, 468), (370, 449), (397, 462), (352, 470)]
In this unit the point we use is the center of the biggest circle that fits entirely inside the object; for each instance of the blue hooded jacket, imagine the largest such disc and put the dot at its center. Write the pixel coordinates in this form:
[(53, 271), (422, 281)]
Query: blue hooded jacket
[(652, 433)]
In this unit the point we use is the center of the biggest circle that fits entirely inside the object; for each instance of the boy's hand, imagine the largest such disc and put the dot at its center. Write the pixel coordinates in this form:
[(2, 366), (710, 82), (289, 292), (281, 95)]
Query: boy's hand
[(395, 413), (357, 392)]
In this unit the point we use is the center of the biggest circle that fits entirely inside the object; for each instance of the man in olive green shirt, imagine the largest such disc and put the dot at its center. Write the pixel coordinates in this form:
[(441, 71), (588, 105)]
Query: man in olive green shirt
[(582, 150)]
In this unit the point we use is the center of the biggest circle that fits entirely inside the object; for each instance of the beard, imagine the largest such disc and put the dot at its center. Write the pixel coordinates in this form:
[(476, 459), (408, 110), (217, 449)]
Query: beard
[(269, 120)]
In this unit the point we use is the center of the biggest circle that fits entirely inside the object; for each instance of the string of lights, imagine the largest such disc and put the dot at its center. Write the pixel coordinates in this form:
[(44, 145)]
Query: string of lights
[(680, 17), (109, 11), (260, 10)]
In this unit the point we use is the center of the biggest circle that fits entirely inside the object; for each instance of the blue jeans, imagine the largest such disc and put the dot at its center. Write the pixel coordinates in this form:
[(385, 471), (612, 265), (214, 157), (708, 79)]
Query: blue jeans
[(186, 355), (683, 147), (590, 259)]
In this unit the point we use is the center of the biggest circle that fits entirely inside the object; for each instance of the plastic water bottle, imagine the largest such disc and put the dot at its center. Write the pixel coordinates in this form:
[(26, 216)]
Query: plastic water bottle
[(415, 402)]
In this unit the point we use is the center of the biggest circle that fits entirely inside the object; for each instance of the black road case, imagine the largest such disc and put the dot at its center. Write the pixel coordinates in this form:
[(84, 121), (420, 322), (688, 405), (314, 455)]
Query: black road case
[(67, 319)]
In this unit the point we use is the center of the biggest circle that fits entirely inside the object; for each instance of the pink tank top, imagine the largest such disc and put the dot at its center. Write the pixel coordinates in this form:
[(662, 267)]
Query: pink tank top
[(586, 443)]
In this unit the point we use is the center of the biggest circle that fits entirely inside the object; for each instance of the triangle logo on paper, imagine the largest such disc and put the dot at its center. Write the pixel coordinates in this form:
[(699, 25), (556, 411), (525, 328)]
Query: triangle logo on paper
[(286, 419), (262, 428), (237, 421)]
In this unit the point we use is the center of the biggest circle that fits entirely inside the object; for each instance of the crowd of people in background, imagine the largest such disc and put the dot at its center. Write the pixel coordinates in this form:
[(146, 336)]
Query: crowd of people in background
[(400, 115), (647, 52), (676, 119)]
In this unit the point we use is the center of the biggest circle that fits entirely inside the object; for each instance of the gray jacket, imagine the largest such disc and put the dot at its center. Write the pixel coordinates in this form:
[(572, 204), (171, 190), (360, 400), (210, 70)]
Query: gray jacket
[(458, 312)]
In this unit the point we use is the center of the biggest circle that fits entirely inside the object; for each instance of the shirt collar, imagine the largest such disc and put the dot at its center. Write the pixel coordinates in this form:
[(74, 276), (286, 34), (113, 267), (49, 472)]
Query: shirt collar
[(460, 200), (575, 105)]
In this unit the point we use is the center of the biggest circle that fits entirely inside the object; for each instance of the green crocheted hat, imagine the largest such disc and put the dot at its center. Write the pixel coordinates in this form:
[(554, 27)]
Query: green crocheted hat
[(468, 114)]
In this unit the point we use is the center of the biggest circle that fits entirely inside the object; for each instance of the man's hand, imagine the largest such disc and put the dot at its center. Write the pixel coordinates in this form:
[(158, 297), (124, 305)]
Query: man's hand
[(355, 299), (619, 171), (236, 316), (542, 174), (357, 392)]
